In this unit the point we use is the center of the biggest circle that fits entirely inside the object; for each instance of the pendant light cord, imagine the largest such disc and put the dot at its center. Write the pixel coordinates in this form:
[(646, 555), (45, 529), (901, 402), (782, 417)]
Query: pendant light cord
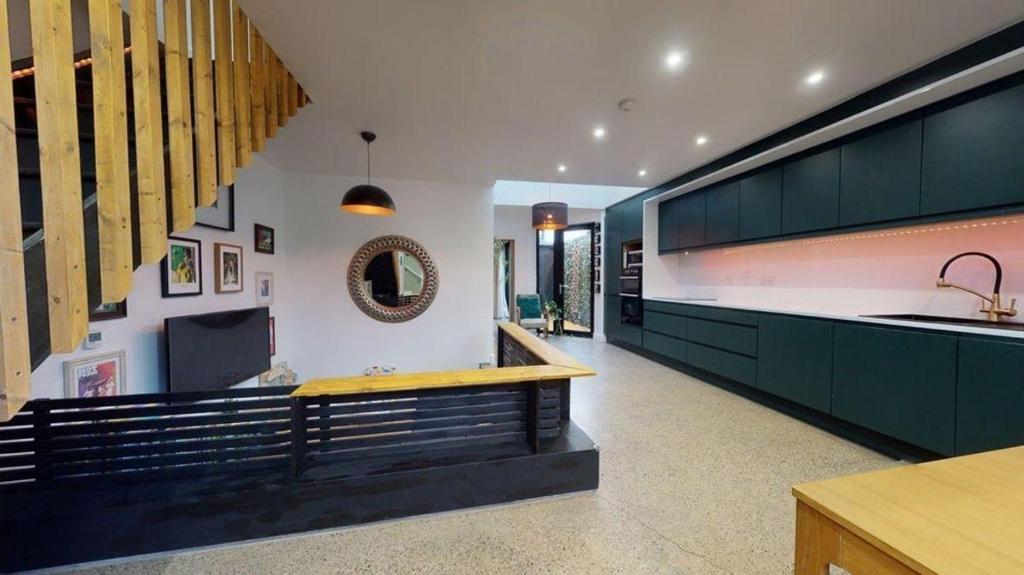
[(367, 162)]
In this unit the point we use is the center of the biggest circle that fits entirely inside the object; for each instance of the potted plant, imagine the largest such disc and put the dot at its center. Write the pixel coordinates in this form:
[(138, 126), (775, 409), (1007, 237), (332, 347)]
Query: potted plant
[(554, 314)]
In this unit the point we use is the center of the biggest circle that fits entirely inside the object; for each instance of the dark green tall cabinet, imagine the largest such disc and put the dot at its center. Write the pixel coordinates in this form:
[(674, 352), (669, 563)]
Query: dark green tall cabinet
[(761, 205), (723, 213), (898, 382), (990, 395), (881, 176), (810, 193), (794, 359), (633, 220), (692, 220), (612, 249), (972, 154)]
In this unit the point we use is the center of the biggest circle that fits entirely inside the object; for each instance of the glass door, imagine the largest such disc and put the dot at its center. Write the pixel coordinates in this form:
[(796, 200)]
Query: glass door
[(565, 275)]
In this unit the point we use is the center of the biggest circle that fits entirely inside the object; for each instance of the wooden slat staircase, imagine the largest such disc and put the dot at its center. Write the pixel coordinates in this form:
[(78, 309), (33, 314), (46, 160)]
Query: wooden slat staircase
[(104, 169)]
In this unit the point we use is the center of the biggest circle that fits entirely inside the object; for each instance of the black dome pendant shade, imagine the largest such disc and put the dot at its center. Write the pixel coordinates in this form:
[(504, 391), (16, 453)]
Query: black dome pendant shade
[(367, 199)]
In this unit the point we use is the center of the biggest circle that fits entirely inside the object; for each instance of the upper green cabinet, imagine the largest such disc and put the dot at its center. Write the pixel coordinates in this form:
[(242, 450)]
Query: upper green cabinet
[(990, 395), (761, 205), (810, 193), (692, 220), (794, 359), (972, 154), (881, 176), (633, 220), (723, 213), (898, 382), (668, 225)]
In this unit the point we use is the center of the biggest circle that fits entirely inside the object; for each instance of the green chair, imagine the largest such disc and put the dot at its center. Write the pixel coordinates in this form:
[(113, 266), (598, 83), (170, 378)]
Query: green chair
[(530, 314)]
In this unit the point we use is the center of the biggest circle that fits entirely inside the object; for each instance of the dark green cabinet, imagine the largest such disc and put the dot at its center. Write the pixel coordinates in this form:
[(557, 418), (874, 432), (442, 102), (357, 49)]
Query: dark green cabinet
[(612, 316), (612, 249), (990, 395), (881, 176), (736, 367), (897, 382), (794, 359), (810, 193), (668, 225), (723, 214), (761, 205), (692, 220), (972, 154), (633, 220), (665, 324), (665, 346)]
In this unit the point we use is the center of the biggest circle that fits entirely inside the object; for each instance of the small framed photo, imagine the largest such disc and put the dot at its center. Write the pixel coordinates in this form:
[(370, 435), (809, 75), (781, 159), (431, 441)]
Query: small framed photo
[(100, 375), (597, 288), (273, 337), (597, 275), (227, 267), (264, 288), (107, 311), (597, 250), (221, 215), (182, 269), (264, 239)]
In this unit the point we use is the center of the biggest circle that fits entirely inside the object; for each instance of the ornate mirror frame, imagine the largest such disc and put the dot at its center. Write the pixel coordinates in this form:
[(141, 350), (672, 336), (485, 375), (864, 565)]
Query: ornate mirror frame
[(364, 300)]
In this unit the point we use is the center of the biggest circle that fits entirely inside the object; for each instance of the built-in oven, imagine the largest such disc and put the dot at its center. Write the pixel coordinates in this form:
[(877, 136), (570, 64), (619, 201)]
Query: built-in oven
[(632, 309), (630, 288)]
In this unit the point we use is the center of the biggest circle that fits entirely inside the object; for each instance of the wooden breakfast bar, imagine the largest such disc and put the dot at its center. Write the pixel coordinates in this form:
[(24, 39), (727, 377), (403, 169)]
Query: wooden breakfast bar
[(959, 516)]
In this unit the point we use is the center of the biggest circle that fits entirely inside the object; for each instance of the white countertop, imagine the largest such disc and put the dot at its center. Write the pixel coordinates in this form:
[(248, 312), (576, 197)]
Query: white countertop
[(809, 311)]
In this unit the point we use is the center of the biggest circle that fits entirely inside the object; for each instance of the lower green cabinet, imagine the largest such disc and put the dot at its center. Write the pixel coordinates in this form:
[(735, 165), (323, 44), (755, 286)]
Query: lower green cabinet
[(990, 395), (729, 365), (663, 345), (631, 334), (898, 382), (794, 359), (612, 316)]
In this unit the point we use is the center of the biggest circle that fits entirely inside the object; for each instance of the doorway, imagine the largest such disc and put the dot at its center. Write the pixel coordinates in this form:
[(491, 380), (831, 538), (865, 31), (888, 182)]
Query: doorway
[(504, 278), (565, 275)]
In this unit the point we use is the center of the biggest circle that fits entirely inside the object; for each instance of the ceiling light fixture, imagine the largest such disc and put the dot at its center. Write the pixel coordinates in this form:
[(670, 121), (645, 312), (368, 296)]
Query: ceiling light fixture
[(367, 199), (701, 140), (599, 133), (814, 78), (642, 173), (674, 59), (550, 215), (561, 168)]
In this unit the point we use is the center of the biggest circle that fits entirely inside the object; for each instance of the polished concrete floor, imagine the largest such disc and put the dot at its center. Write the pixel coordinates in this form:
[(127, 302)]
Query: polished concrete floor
[(694, 480)]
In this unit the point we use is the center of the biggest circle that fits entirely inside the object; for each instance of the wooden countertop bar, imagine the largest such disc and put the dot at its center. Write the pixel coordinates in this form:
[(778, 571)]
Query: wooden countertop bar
[(558, 365), (961, 516)]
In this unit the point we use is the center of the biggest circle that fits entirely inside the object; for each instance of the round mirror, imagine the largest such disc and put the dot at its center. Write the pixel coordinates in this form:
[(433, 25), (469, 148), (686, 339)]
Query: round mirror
[(392, 279)]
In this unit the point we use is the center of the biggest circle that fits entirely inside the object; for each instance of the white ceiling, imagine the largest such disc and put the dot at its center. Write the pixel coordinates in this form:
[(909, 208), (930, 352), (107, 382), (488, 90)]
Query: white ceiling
[(518, 193), (481, 90)]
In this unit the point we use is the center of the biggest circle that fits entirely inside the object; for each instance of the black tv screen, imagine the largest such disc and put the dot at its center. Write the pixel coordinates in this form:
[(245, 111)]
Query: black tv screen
[(217, 350)]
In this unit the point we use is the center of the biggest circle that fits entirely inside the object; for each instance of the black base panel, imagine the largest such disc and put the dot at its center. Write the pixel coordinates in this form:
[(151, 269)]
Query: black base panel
[(46, 528), (888, 446)]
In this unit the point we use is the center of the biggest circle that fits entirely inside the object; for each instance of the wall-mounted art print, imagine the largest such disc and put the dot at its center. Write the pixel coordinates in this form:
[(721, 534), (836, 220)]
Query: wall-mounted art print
[(100, 375), (597, 288), (597, 250), (182, 269), (221, 215), (273, 337), (264, 239), (227, 267), (107, 311), (264, 288)]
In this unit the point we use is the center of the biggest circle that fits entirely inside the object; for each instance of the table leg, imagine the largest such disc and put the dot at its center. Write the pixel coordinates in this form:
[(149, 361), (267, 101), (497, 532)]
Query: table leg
[(817, 541)]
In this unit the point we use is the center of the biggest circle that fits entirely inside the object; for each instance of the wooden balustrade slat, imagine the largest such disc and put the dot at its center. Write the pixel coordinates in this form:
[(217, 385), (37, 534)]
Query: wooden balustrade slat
[(15, 360), (61, 174), (282, 94), (179, 116), (224, 86), (271, 92), (257, 88), (293, 96), (202, 84), (243, 126)]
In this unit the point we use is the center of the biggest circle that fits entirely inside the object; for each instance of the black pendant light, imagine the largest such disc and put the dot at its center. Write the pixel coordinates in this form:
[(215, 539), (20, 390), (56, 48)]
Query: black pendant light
[(550, 215), (367, 199)]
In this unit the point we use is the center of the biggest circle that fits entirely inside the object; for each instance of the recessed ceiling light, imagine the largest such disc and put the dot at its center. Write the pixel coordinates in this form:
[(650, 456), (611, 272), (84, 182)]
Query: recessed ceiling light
[(674, 59), (814, 78), (561, 168), (701, 140), (599, 133), (642, 173)]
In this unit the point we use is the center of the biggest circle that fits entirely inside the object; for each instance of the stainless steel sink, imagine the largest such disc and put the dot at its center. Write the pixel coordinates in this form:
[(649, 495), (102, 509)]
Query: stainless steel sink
[(1013, 326)]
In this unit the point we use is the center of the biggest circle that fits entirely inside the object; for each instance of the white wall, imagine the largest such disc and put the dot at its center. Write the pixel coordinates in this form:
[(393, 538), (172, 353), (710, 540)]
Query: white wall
[(329, 335), (516, 223), (258, 199)]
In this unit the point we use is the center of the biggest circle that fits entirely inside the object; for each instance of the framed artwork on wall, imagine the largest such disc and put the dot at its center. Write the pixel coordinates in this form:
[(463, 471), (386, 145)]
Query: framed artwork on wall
[(264, 239), (227, 267), (264, 288), (221, 215), (182, 268), (597, 288), (273, 337), (100, 375), (107, 311)]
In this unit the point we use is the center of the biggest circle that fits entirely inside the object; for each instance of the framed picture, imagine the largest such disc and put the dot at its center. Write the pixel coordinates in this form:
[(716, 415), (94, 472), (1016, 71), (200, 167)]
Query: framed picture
[(264, 239), (597, 250), (597, 275), (227, 267), (182, 269), (109, 311), (221, 215), (597, 288), (264, 288), (273, 338), (95, 376)]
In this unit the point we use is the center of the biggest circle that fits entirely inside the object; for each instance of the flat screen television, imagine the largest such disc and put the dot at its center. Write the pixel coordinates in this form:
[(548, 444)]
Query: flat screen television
[(217, 350)]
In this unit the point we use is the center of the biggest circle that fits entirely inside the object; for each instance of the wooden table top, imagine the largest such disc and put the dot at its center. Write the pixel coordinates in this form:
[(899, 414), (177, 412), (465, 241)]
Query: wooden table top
[(558, 365), (959, 516)]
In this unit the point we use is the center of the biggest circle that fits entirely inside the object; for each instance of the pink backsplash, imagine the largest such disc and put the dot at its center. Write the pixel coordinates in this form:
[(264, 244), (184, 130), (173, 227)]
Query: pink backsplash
[(885, 271)]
